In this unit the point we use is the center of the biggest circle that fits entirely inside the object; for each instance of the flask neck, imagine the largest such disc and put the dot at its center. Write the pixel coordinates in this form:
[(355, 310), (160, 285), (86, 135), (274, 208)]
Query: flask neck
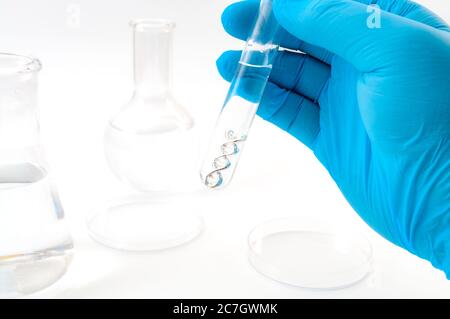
[(153, 41), (19, 123)]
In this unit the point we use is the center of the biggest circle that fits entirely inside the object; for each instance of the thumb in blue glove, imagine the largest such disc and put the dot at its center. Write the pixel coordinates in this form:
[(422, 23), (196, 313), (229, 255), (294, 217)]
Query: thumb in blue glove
[(373, 104)]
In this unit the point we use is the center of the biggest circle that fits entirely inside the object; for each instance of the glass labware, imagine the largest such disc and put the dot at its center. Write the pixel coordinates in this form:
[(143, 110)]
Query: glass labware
[(242, 101), (150, 145), (153, 130), (35, 245), (309, 253)]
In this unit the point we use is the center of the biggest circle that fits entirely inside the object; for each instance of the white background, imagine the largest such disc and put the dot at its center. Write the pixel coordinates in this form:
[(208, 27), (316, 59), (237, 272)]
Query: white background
[(87, 77)]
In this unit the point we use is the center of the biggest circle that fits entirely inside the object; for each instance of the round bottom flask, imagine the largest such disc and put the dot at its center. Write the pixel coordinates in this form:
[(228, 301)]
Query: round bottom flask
[(158, 160), (151, 146), (309, 254)]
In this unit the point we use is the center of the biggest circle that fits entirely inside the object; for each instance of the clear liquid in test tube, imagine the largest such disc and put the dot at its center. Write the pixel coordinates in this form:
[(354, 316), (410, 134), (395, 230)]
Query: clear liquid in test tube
[(242, 101)]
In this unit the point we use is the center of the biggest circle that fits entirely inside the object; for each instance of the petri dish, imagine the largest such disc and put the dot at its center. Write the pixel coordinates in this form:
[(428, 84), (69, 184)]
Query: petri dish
[(147, 222), (309, 253)]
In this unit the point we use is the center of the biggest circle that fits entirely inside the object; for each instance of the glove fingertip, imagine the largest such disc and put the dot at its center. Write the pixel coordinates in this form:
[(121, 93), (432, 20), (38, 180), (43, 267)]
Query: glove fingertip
[(227, 64)]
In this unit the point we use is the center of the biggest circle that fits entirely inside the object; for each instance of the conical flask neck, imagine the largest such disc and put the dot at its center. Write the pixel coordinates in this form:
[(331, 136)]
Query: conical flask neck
[(152, 58), (19, 123)]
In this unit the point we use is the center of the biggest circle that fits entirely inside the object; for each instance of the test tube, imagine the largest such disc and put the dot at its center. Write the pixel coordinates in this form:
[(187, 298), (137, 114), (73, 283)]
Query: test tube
[(242, 102)]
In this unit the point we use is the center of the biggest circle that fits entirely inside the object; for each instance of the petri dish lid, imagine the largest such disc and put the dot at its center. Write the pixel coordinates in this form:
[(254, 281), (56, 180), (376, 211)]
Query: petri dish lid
[(146, 222), (308, 253)]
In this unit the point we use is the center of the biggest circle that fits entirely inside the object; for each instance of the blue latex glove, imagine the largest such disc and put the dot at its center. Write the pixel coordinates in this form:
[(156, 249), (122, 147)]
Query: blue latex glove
[(372, 103)]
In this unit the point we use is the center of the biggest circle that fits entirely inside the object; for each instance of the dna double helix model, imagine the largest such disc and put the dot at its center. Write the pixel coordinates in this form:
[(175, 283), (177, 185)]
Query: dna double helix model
[(223, 162)]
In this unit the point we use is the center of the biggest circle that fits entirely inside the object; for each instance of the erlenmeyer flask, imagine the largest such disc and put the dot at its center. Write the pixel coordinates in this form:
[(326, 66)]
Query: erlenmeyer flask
[(35, 246), (152, 131), (151, 145)]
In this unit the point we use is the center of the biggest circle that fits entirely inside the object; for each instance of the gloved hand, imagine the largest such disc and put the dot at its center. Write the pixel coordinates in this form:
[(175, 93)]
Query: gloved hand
[(372, 103)]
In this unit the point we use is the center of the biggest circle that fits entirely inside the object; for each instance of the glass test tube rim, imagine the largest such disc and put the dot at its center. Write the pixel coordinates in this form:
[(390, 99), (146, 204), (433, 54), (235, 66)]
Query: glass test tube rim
[(149, 24)]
